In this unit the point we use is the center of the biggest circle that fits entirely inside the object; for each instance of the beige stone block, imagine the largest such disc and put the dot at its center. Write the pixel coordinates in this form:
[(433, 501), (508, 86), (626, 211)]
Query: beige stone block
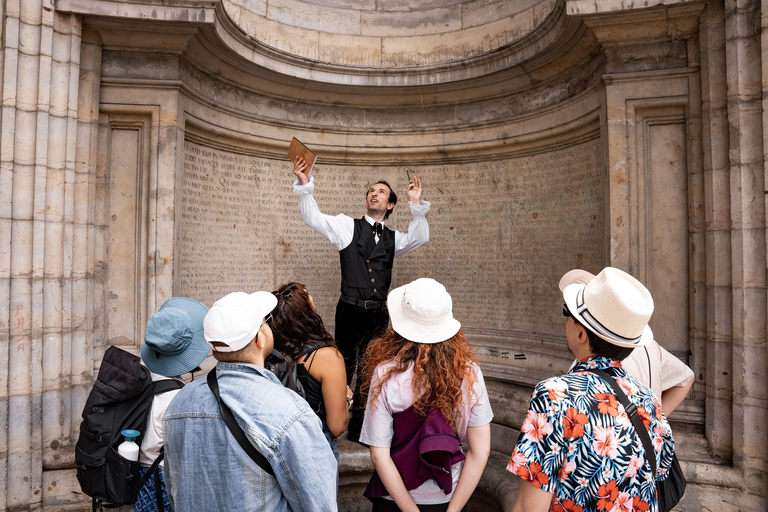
[(752, 243), (719, 148), (8, 127), (719, 209), (352, 49), (61, 491), (408, 5), (314, 17), (748, 117), (60, 89), (235, 12), (298, 41), (23, 185), (57, 142), (719, 267), (6, 190), (29, 74), (411, 23), (456, 45), (30, 12), (482, 12), (258, 7), (61, 47), (744, 78), (30, 37), (5, 254)]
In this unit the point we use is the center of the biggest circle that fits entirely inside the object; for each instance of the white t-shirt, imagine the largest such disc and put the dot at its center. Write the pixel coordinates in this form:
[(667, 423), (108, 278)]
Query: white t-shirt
[(657, 368), (153, 438), (396, 396)]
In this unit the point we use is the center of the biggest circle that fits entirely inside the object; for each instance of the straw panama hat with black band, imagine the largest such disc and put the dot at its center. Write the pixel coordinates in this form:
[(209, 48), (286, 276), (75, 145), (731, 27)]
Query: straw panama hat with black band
[(615, 306), (422, 312)]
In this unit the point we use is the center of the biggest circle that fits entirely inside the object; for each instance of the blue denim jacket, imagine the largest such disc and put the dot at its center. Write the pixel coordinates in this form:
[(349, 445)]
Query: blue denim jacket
[(206, 469)]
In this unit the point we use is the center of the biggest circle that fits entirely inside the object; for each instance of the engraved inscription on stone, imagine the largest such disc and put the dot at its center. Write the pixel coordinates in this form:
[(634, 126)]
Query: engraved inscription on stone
[(501, 232)]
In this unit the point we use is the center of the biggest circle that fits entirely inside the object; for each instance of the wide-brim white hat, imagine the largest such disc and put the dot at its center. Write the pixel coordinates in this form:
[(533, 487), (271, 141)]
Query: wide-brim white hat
[(235, 319), (615, 306), (422, 312)]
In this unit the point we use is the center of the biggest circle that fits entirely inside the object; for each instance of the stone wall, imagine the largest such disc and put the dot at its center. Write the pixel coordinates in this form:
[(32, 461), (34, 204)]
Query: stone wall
[(142, 156)]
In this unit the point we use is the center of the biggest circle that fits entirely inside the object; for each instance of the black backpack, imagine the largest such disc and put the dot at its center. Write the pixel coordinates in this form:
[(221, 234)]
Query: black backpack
[(121, 399), (286, 370)]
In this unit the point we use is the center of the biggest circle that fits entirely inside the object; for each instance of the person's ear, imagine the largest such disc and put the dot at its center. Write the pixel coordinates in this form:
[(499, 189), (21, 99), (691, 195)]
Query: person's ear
[(582, 337), (390, 206), (261, 340)]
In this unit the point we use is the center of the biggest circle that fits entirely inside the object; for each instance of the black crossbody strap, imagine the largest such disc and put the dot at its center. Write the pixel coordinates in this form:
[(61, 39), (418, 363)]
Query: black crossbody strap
[(155, 469), (637, 421), (158, 490), (233, 427)]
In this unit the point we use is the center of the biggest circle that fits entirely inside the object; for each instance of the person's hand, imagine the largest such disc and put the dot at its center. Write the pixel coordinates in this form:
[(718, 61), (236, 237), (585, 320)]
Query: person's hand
[(414, 190), (299, 166), (349, 397)]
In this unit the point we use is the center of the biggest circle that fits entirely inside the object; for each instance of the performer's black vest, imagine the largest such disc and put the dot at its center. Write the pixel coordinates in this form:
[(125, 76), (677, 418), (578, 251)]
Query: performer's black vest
[(366, 266)]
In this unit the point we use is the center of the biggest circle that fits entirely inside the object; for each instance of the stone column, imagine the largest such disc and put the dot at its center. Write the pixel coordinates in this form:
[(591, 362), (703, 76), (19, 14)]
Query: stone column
[(40, 69), (718, 314), (748, 251), (26, 26)]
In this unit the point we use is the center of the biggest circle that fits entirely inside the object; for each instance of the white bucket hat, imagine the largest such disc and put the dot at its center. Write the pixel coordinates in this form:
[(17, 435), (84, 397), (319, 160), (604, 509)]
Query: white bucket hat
[(422, 312), (614, 305), (235, 319)]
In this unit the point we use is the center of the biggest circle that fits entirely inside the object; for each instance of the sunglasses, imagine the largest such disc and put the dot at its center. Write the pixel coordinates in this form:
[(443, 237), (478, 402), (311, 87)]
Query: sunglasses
[(268, 319), (567, 312)]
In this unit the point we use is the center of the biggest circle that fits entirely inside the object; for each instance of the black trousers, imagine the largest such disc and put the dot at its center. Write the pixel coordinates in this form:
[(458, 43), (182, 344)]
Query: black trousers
[(355, 328), (383, 505)]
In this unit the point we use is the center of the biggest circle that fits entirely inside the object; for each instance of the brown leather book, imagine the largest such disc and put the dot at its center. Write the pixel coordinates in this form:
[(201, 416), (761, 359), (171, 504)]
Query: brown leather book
[(298, 149)]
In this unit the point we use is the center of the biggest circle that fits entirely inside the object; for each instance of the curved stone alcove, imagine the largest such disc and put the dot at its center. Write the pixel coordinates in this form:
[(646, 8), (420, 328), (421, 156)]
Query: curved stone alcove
[(550, 134), (389, 34)]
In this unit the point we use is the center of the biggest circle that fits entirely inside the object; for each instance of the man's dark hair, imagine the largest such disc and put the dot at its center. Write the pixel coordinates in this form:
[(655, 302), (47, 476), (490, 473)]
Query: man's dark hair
[(391, 199), (602, 348)]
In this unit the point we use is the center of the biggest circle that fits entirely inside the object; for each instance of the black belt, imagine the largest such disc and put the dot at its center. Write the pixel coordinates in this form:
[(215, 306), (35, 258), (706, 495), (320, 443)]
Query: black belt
[(365, 304)]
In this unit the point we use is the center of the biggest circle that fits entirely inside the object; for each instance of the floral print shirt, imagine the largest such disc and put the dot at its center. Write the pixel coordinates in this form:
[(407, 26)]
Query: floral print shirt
[(578, 443)]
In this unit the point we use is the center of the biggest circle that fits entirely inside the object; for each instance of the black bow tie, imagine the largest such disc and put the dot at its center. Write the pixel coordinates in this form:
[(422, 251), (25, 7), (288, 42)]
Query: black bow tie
[(377, 229)]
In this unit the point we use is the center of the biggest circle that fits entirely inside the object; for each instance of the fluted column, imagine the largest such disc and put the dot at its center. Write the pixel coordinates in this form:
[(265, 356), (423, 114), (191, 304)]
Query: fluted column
[(40, 75), (719, 321), (748, 250)]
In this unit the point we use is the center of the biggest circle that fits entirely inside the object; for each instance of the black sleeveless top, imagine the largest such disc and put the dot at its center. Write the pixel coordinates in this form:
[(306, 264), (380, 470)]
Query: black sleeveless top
[(312, 387)]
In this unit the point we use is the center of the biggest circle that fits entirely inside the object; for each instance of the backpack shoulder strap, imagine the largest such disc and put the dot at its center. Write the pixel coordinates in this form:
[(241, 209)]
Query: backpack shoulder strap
[(165, 385), (631, 409), (237, 432), (311, 356)]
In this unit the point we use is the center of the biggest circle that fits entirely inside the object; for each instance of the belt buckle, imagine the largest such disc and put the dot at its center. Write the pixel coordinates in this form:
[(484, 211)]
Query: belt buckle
[(367, 302)]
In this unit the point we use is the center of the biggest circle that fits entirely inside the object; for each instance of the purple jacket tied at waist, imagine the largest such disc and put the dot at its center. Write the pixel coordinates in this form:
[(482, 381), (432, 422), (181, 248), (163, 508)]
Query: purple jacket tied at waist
[(422, 449)]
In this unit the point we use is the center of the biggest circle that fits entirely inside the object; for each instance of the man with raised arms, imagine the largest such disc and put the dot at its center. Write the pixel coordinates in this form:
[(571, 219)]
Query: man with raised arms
[(366, 249)]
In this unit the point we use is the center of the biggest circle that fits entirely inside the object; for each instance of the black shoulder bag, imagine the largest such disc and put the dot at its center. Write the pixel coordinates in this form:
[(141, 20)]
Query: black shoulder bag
[(671, 489), (234, 428)]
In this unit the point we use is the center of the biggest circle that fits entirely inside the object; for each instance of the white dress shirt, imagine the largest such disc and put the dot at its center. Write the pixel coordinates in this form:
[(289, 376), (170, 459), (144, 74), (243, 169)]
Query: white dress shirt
[(340, 229)]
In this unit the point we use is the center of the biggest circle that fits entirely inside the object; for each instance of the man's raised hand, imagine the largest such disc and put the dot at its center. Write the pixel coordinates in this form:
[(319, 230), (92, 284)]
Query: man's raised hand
[(299, 166), (414, 190)]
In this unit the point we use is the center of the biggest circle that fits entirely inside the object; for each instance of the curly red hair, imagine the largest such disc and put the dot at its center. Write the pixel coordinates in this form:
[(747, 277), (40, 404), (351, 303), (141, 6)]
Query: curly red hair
[(439, 370)]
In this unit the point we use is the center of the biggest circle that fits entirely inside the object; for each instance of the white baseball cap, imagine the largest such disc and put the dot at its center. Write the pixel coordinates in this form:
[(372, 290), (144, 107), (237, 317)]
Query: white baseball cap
[(422, 312), (235, 319)]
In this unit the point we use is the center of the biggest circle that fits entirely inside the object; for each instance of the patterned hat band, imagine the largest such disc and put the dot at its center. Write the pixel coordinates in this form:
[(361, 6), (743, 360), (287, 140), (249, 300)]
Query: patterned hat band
[(595, 325)]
